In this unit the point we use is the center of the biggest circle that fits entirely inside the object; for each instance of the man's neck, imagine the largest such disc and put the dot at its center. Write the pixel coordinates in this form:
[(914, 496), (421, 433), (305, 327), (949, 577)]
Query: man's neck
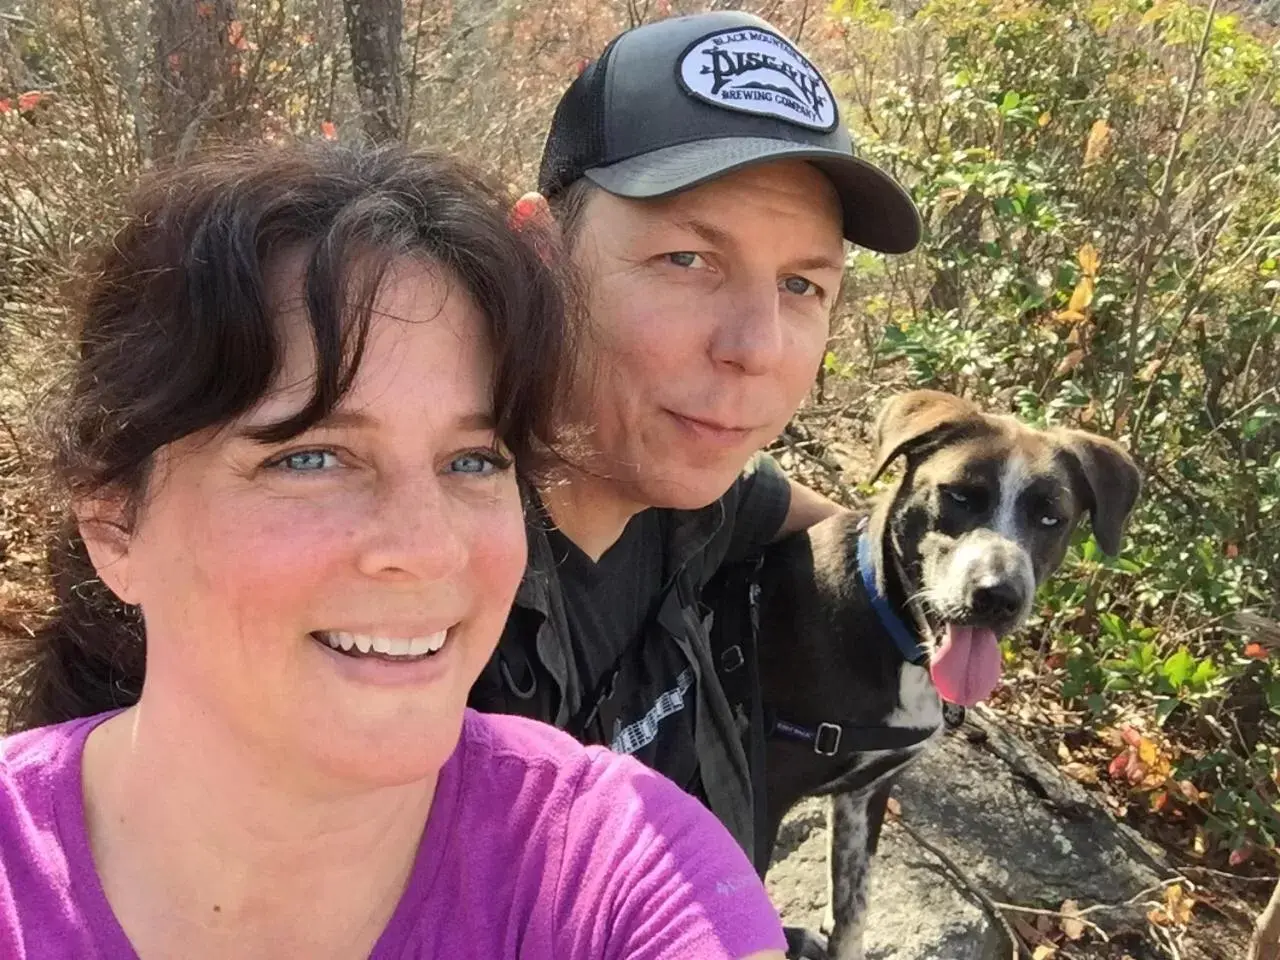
[(590, 511)]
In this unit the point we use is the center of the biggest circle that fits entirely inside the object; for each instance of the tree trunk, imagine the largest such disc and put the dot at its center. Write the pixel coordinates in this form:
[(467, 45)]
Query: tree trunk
[(1265, 944), (196, 72), (374, 28)]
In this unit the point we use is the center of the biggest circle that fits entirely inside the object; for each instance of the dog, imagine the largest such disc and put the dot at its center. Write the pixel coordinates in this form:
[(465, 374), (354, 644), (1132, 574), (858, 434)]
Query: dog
[(870, 624)]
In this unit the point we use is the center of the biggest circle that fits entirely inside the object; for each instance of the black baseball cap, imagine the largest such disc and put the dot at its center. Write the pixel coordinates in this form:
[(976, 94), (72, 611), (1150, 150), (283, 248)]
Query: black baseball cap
[(673, 104)]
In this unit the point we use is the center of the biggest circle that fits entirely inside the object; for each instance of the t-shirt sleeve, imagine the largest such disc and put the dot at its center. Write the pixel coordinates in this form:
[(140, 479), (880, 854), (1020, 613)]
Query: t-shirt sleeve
[(755, 508), (650, 874)]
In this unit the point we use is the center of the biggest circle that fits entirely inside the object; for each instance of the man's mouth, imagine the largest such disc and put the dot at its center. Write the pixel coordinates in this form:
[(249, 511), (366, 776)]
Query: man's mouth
[(375, 647), (966, 663)]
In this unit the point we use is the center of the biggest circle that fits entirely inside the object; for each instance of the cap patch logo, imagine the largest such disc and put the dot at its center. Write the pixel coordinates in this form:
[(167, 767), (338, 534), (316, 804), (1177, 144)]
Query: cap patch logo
[(756, 71)]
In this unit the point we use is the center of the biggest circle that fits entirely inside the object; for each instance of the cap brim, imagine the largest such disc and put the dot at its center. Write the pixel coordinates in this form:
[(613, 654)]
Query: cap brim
[(878, 213)]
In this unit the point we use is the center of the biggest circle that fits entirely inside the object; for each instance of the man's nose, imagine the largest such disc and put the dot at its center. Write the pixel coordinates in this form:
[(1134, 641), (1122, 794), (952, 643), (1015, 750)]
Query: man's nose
[(749, 332), (413, 533)]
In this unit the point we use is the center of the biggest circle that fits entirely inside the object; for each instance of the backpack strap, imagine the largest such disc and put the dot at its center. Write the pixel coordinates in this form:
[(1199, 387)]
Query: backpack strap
[(735, 637)]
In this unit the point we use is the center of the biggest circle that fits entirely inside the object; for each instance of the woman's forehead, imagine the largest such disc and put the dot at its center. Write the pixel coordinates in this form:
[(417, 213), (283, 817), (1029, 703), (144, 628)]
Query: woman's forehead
[(424, 332)]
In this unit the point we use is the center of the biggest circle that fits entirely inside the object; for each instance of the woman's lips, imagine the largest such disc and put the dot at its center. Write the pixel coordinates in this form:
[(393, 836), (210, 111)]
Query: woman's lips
[(710, 432)]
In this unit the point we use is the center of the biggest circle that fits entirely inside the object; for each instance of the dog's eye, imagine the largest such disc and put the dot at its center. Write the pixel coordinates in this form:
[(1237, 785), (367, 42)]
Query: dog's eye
[(1049, 520), (967, 497)]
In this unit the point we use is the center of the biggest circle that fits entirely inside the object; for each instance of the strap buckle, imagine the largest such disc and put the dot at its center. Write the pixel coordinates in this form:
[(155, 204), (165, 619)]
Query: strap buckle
[(827, 741), (732, 658)]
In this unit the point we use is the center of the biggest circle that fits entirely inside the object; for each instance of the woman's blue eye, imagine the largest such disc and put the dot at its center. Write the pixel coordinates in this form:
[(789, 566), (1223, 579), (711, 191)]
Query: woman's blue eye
[(479, 462), (308, 461)]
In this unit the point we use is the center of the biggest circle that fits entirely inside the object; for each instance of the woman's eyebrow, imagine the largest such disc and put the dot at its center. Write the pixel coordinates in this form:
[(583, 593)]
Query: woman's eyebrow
[(474, 421)]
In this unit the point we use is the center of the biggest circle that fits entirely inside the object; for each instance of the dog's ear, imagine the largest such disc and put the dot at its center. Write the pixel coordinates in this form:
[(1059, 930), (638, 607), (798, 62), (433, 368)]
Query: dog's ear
[(912, 419), (1108, 482)]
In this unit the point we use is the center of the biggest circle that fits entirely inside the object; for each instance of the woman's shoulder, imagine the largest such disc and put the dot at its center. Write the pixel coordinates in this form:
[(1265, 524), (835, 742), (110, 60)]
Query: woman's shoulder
[(37, 754), (531, 747), (527, 764)]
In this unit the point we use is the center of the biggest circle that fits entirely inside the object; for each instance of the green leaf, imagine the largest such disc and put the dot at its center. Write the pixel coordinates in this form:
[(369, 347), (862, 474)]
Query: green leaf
[(1178, 668), (1165, 707), (1273, 695), (1118, 685), (1112, 625), (1205, 672)]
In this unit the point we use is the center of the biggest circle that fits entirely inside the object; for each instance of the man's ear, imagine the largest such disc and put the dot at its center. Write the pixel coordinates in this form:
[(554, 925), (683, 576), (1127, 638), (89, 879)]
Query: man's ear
[(1109, 483), (107, 539), (913, 419), (531, 215)]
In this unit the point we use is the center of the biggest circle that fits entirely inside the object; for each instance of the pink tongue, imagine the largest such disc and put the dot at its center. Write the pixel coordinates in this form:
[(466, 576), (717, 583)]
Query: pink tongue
[(966, 667)]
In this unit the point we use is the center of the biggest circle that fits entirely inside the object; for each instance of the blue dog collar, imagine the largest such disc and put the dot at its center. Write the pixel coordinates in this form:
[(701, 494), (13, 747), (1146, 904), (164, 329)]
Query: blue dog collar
[(903, 638)]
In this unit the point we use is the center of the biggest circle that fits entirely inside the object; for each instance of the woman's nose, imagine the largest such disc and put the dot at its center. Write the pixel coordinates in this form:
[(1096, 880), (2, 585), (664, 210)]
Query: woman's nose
[(414, 534)]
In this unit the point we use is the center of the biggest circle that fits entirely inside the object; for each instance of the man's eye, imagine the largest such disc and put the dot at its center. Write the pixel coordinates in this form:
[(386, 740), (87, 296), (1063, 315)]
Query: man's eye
[(683, 258), (801, 287), (480, 462), (306, 461)]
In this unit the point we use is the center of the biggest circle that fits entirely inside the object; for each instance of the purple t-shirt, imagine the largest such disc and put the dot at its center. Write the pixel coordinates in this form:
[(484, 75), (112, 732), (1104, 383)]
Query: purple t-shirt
[(536, 847)]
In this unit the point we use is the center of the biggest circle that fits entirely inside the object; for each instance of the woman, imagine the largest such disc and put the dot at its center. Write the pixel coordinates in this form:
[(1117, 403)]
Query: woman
[(303, 379)]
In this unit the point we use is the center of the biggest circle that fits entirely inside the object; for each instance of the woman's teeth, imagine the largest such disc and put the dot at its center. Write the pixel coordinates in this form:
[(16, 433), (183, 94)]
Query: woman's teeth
[(363, 643)]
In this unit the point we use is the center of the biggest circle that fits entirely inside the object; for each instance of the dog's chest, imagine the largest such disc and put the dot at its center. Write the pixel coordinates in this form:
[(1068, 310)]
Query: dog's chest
[(918, 708), (918, 703)]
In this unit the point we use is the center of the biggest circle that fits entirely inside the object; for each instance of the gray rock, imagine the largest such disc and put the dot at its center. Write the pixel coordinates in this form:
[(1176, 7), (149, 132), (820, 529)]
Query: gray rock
[(918, 912), (1016, 828)]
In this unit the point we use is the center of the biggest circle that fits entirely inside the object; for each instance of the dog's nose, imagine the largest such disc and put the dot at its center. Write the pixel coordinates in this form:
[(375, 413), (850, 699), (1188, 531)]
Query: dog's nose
[(996, 600)]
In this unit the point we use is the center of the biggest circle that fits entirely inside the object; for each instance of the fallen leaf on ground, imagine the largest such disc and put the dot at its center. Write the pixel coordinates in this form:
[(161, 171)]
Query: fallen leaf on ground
[(1176, 909), (1081, 773), (1071, 925)]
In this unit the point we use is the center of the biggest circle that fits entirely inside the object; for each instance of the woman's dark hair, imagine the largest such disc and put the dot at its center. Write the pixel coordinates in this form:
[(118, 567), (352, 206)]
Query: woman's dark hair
[(176, 336)]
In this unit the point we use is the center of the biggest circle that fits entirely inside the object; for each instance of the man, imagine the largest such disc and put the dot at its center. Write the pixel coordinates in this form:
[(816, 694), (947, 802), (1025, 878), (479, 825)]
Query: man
[(704, 186)]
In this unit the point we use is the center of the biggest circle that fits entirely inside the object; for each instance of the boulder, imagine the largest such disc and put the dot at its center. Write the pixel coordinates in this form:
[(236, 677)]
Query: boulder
[(1014, 826)]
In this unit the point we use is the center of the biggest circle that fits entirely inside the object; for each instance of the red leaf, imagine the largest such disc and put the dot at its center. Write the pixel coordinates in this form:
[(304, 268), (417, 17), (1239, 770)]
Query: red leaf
[(1159, 801), (581, 65), (4, 105), (235, 35), (1232, 550), (29, 100), (1240, 856), (1131, 736), (1117, 767), (328, 130), (1256, 651)]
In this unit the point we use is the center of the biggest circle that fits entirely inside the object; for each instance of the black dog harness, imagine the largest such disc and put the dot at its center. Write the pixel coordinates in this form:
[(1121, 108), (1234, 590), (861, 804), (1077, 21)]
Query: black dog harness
[(833, 739), (737, 665)]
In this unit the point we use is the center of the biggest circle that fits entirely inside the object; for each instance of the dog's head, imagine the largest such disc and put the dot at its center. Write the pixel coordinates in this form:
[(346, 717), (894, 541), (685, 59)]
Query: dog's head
[(983, 514)]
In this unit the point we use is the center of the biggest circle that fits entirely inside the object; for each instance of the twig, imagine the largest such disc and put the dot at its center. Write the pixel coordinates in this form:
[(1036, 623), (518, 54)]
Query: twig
[(1036, 911), (13, 437), (1017, 947), (1230, 876), (1160, 218)]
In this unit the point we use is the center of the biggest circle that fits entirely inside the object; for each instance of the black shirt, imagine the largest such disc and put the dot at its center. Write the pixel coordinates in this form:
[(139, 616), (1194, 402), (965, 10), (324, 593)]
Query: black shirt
[(608, 602), (668, 710)]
